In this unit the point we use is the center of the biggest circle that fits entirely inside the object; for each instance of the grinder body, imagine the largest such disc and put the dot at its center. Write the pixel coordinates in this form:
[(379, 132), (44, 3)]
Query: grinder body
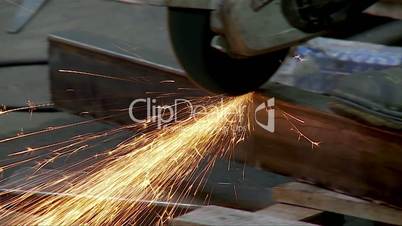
[(235, 46)]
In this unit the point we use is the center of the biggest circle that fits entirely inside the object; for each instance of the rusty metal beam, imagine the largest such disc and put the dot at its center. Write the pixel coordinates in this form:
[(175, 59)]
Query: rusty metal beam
[(352, 157)]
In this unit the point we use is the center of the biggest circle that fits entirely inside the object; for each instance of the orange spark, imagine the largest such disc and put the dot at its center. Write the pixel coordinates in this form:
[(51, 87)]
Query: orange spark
[(150, 167), (97, 75), (299, 133)]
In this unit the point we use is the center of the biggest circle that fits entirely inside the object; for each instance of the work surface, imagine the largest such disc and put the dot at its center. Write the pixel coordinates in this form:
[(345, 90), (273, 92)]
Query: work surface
[(132, 25)]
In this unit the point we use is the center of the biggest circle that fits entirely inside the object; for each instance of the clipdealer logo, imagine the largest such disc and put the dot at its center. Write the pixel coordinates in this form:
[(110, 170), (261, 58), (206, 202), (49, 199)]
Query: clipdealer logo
[(163, 115), (268, 107)]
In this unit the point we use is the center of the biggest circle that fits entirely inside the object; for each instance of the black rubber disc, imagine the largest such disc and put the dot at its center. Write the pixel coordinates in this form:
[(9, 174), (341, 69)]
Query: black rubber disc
[(211, 69)]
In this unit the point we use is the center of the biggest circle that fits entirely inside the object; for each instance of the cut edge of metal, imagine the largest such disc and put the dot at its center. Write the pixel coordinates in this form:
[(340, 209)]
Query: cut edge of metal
[(130, 58)]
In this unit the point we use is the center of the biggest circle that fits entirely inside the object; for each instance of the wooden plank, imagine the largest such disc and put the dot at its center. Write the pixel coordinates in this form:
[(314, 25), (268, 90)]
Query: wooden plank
[(310, 196), (289, 212), (215, 215)]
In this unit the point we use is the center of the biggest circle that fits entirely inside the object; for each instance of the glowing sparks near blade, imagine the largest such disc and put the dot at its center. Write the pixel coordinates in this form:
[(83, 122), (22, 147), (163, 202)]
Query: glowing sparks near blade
[(153, 166)]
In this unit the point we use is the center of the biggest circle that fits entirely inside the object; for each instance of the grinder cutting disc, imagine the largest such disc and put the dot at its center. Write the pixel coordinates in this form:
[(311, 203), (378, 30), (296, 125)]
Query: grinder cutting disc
[(212, 69)]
